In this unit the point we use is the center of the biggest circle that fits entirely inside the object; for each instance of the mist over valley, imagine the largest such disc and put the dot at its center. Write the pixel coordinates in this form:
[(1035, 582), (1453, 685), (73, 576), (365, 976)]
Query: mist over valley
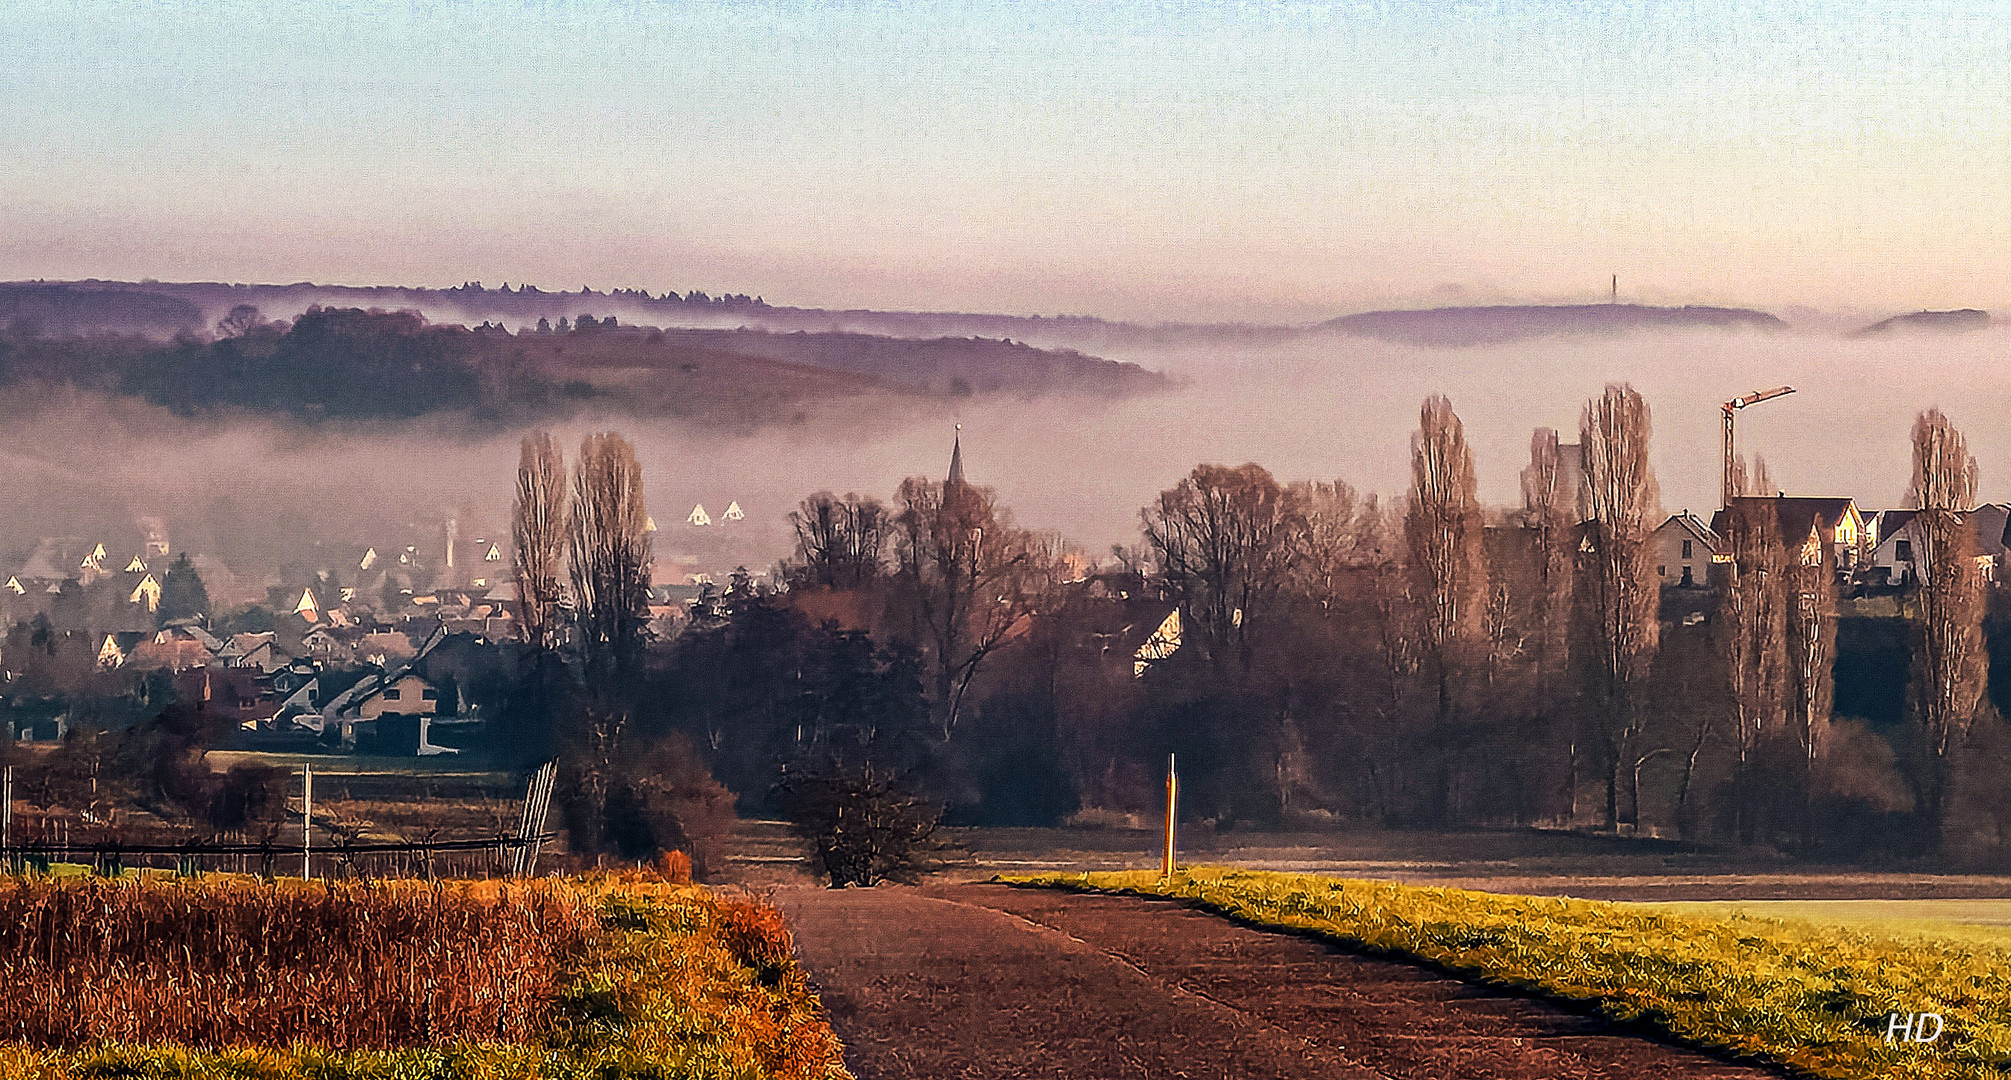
[(123, 403)]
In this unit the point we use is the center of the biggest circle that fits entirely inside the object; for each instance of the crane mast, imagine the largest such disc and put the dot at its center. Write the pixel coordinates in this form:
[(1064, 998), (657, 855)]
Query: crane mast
[(1731, 410)]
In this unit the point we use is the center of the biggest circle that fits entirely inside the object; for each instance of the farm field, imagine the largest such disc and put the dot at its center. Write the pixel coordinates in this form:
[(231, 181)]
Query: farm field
[(629, 975), (1984, 922), (1812, 996)]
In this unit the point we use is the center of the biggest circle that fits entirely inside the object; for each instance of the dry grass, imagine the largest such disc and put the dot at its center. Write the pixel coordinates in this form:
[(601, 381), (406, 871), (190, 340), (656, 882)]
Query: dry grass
[(634, 975), (244, 962)]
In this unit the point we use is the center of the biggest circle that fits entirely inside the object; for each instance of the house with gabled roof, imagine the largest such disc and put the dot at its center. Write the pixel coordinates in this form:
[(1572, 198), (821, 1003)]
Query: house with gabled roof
[(1808, 522), (147, 592), (1684, 549), (1898, 558), (174, 654), (398, 690), (259, 651)]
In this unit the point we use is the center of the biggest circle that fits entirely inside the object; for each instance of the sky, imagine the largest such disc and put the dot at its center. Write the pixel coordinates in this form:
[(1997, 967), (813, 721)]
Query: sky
[(1265, 162)]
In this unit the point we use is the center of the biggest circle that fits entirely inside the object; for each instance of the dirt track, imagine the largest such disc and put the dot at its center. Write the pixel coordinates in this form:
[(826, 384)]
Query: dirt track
[(983, 981)]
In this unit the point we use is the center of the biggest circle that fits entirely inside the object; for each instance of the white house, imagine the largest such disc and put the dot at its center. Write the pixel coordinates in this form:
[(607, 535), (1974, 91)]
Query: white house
[(1897, 558)]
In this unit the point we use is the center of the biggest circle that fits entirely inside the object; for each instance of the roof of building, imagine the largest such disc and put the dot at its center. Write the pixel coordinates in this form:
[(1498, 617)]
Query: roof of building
[(1695, 526), (370, 686), (1797, 513)]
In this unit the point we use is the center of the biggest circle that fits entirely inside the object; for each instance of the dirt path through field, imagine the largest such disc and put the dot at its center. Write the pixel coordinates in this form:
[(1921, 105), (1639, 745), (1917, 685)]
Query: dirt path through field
[(982, 981)]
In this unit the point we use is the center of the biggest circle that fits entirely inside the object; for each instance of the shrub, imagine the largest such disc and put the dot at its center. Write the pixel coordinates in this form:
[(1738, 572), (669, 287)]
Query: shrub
[(867, 827)]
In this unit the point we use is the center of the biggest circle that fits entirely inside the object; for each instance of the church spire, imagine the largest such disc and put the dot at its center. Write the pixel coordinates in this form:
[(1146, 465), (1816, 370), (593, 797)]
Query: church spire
[(956, 459)]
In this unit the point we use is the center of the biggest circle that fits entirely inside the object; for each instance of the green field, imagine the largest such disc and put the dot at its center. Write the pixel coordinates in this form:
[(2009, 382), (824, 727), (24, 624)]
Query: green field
[(1981, 922), (1812, 992)]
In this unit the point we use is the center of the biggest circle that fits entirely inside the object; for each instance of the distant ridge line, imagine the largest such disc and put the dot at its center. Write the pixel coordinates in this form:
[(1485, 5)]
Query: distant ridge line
[(1493, 324), (1957, 321)]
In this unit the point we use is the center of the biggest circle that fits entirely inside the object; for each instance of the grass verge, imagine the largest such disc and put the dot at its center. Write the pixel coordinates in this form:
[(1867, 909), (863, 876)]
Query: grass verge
[(1813, 998), (675, 981)]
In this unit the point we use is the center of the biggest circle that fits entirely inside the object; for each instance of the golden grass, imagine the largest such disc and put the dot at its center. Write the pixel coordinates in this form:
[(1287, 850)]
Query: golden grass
[(240, 961), (663, 980), (1809, 996), (1982, 922)]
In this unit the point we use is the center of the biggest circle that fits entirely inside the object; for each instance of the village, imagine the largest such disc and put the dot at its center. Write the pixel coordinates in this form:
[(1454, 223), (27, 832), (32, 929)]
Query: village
[(112, 630)]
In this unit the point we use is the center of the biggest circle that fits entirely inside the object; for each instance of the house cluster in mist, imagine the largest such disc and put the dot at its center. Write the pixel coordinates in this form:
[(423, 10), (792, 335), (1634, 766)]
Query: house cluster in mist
[(369, 647), (1879, 553)]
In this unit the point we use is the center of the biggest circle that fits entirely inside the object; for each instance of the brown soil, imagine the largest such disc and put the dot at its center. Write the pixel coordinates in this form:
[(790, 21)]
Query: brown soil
[(981, 981)]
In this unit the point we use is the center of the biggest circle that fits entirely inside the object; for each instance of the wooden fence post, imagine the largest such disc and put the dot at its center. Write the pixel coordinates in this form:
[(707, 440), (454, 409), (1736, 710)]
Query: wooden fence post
[(7, 818), (307, 822)]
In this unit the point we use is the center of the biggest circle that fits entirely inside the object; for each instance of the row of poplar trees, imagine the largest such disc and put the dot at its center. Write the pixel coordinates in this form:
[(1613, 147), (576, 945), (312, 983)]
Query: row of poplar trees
[(582, 563), (1592, 629)]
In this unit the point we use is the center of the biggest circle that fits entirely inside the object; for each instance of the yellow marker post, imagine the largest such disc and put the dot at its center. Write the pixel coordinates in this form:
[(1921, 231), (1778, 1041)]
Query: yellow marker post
[(1172, 817)]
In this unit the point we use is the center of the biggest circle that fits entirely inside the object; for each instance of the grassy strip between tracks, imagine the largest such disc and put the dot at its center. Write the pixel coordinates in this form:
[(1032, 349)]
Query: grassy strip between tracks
[(1814, 998), (648, 977)]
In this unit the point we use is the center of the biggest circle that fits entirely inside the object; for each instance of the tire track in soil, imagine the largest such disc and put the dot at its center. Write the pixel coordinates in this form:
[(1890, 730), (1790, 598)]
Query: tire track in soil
[(983, 981)]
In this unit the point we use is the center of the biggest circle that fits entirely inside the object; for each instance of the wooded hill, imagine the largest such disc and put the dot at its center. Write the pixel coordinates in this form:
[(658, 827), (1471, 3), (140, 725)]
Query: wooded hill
[(346, 362)]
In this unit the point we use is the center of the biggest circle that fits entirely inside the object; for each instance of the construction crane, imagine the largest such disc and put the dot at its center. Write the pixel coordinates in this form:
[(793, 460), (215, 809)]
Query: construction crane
[(1731, 409)]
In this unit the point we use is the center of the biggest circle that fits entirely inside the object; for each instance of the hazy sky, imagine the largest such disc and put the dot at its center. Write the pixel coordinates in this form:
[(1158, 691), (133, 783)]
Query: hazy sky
[(1138, 160)]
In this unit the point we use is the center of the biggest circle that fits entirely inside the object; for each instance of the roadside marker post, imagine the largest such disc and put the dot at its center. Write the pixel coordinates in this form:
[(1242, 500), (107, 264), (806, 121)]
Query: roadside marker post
[(306, 821), (6, 818), (1172, 817)]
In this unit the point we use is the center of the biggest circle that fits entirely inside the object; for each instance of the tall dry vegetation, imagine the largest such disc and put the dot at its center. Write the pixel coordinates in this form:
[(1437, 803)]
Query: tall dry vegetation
[(242, 962)]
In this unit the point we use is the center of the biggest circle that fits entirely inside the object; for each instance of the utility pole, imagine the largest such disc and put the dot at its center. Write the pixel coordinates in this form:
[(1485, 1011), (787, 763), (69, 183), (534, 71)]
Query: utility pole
[(1172, 817), (1616, 288), (1731, 410)]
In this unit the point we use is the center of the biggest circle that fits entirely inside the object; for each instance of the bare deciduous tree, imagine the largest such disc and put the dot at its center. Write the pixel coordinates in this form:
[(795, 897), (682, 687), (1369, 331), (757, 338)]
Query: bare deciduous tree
[(840, 543), (1341, 532), (1225, 537), (971, 577), (1948, 659), (1549, 504), (1620, 504), (1753, 481), (610, 557), (1811, 650), (1443, 545), (539, 529), (1753, 630)]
